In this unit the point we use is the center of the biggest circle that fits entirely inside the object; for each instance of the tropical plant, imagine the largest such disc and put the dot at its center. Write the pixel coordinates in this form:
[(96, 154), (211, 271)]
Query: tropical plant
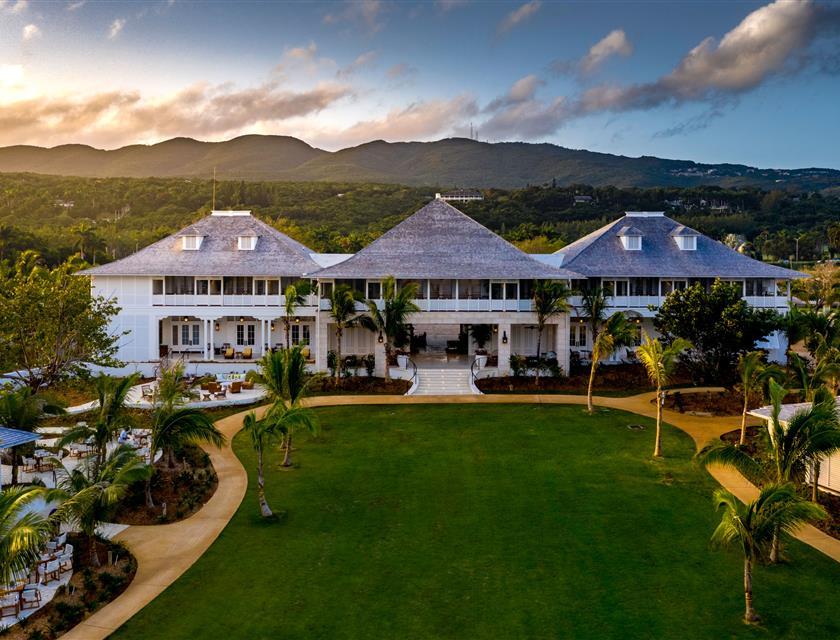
[(261, 433), (754, 373), (343, 313), (481, 334), (172, 428), (824, 373), (660, 361), (793, 444), (391, 321), (90, 492), (294, 296), (172, 387), (593, 306), (755, 525), (23, 532), (111, 415), (550, 299), (21, 409), (618, 331)]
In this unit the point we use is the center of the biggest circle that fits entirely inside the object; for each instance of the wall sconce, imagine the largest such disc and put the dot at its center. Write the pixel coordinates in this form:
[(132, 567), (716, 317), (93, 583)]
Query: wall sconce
[(504, 337), (186, 319), (495, 328), (297, 320), (241, 319), (218, 327), (272, 326), (380, 339)]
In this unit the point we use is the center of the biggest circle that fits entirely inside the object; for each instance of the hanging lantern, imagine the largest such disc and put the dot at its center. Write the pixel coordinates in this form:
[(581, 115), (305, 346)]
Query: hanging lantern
[(380, 339), (504, 337)]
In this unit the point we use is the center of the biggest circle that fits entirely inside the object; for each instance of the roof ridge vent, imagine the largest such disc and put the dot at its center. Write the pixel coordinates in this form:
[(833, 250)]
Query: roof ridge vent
[(230, 214), (644, 214)]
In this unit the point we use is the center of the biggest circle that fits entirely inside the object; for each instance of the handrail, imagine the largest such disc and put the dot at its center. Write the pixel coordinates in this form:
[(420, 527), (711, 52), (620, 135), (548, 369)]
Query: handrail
[(473, 373), (414, 370)]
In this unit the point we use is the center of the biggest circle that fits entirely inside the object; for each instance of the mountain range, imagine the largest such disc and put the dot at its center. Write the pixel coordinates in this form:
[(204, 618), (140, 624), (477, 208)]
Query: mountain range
[(450, 162)]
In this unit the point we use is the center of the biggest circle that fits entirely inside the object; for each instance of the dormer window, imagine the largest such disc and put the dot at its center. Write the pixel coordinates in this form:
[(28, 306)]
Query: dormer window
[(191, 243), (685, 238), (631, 238), (247, 243)]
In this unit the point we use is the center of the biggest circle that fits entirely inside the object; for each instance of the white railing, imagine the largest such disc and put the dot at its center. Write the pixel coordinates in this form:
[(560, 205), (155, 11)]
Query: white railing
[(208, 300), (767, 302)]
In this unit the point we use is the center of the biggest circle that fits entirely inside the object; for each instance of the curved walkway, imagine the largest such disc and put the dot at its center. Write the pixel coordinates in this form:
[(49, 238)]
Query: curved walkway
[(164, 552)]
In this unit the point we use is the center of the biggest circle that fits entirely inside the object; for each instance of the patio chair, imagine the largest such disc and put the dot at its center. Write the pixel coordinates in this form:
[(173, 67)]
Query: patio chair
[(229, 353), (61, 539), (147, 391), (235, 387), (247, 353), (29, 465), (30, 597), (65, 561), (221, 393), (9, 605), (52, 569), (248, 385), (52, 546)]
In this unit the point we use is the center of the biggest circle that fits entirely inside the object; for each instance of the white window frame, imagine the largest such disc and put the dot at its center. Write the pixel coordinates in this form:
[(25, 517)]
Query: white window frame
[(631, 243), (247, 243), (191, 243), (687, 243)]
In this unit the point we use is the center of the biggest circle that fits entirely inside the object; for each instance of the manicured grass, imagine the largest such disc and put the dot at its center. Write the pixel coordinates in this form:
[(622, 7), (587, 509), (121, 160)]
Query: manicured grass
[(485, 522)]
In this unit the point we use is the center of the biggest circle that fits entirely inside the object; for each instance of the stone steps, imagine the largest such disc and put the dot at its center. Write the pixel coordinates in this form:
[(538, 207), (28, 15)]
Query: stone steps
[(449, 382)]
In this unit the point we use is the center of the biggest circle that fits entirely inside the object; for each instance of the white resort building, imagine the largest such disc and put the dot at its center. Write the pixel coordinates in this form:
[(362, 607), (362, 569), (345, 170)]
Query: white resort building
[(212, 293)]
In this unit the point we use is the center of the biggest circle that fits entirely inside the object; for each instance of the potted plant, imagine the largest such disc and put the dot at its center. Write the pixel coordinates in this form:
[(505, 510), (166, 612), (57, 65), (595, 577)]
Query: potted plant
[(481, 336)]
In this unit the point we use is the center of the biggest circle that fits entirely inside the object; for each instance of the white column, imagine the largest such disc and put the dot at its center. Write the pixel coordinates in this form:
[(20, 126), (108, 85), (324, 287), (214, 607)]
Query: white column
[(379, 356), (154, 338), (321, 341), (268, 337), (561, 342), (504, 349), (212, 339)]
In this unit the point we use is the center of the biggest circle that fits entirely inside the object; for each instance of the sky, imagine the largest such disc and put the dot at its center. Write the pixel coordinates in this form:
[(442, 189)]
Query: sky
[(713, 81)]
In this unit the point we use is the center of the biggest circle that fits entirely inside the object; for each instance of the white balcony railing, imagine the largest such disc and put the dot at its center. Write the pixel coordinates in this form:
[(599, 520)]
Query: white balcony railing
[(177, 300)]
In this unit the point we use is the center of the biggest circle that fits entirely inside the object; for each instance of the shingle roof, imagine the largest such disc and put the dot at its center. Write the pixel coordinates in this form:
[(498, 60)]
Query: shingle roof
[(439, 241), (628, 230), (601, 254), (275, 253), (13, 437)]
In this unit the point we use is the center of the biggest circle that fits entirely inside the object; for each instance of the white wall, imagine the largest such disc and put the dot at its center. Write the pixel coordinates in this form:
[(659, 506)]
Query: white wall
[(355, 341)]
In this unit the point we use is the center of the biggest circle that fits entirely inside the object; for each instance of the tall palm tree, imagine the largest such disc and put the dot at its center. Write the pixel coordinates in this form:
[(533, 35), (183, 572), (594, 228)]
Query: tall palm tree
[(261, 433), (111, 415), (172, 386), (618, 331), (825, 372), (343, 313), (392, 320), (754, 526), (89, 492), (659, 362), (295, 295), (594, 303), (549, 299), (172, 428), (22, 532), (809, 434), (21, 409), (754, 373)]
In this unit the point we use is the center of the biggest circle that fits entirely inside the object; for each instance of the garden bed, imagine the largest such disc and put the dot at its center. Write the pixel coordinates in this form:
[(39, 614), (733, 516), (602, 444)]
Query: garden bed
[(177, 492), (90, 588), (714, 403), (622, 379), (358, 385)]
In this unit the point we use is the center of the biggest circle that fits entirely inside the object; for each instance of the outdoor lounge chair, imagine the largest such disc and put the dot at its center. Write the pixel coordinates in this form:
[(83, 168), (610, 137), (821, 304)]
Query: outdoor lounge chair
[(30, 597), (235, 387), (247, 353), (61, 539), (147, 391), (51, 571), (29, 465), (248, 385), (9, 605), (229, 353)]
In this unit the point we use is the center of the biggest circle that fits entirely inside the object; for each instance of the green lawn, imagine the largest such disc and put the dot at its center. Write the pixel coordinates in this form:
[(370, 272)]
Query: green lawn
[(485, 522)]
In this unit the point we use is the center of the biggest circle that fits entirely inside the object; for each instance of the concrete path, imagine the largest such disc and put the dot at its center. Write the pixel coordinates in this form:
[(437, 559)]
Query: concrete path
[(164, 552)]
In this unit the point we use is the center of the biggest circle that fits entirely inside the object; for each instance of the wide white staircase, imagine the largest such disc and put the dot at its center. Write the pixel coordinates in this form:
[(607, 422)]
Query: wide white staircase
[(447, 382)]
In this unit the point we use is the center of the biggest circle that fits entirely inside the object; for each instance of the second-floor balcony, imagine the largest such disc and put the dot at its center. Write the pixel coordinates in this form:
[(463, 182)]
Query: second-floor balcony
[(226, 300)]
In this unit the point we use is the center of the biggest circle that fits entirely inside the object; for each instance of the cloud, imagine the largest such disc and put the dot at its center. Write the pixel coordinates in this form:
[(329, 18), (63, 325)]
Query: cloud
[(417, 121), (19, 7), (400, 71), (449, 5), (31, 31), (695, 123), (366, 12), (518, 16), (614, 43), (521, 91), (115, 28), (118, 117), (75, 6), (362, 61), (519, 114), (304, 59)]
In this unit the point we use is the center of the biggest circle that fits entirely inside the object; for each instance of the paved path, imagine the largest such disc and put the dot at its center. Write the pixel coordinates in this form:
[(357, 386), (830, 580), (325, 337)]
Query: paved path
[(164, 552)]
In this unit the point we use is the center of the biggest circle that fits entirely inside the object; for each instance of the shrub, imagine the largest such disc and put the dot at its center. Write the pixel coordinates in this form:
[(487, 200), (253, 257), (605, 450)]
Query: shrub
[(518, 365), (370, 364), (332, 362), (68, 615)]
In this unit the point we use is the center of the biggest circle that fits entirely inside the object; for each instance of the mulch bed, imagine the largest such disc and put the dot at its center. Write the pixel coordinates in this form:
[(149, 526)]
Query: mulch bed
[(619, 378), (361, 385), (725, 403), (90, 589), (177, 492)]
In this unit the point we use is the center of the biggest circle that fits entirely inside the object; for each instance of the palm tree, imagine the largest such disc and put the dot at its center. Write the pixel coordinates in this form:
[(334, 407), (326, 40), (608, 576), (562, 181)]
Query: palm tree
[(391, 321), (550, 299), (112, 416), (618, 331), (343, 313), (90, 492), (825, 372), (594, 303), (21, 409), (261, 433), (659, 361), (295, 296), (754, 526), (754, 373), (808, 435), (172, 428), (22, 532), (171, 387)]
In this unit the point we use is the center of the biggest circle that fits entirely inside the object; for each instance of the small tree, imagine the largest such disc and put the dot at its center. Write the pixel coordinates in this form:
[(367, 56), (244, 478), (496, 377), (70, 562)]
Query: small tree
[(22, 409), (550, 299), (754, 526), (295, 295), (718, 323), (343, 313), (261, 434), (659, 361), (754, 373), (391, 321), (618, 331), (52, 326)]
